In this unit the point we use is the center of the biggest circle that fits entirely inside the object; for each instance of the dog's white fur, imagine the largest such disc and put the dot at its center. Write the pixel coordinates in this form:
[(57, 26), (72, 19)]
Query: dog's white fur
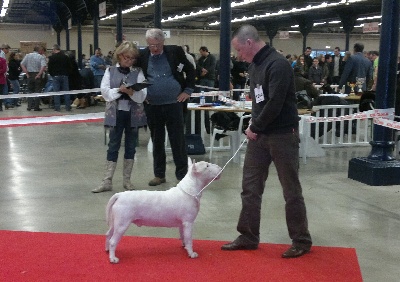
[(175, 207)]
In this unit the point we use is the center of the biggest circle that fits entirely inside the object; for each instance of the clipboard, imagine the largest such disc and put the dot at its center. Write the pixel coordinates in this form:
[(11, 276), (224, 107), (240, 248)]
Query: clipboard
[(138, 86)]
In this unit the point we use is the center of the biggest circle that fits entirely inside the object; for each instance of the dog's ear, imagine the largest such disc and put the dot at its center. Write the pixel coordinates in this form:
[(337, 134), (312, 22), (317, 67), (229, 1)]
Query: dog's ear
[(190, 161)]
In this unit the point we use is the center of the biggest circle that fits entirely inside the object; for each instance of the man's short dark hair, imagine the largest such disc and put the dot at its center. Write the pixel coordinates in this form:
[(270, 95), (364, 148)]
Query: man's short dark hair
[(337, 48), (203, 48), (358, 47), (376, 53)]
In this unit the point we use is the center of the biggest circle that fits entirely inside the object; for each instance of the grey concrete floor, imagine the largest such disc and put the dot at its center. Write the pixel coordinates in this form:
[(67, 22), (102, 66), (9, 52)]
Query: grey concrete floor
[(47, 173)]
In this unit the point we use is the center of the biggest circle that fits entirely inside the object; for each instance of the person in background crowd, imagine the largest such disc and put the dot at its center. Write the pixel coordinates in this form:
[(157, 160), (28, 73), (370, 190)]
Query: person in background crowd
[(308, 60), (346, 56), (59, 67), (206, 76), (3, 80), (98, 66), (239, 73), (14, 70), (302, 83), (34, 66), (272, 137), (302, 65), (294, 60), (4, 49), (375, 63), (324, 67), (328, 69), (289, 58), (206, 65), (164, 66), (124, 113), (337, 65), (88, 83), (109, 58), (75, 83), (84, 60), (356, 66)]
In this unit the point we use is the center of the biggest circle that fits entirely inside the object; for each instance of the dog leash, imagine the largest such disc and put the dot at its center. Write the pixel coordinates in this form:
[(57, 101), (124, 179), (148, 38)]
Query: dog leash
[(199, 193)]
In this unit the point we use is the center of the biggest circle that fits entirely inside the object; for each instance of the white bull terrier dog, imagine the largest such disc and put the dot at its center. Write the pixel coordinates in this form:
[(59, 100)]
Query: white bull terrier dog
[(176, 207)]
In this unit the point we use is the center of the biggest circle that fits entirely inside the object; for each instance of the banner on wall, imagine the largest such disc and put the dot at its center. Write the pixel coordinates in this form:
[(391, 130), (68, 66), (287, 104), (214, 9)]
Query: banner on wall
[(371, 27), (102, 9), (284, 35)]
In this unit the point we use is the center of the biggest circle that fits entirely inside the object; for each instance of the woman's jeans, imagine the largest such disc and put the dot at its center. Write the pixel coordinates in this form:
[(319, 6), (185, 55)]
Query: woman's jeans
[(16, 87), (60, 83), (131, 137)]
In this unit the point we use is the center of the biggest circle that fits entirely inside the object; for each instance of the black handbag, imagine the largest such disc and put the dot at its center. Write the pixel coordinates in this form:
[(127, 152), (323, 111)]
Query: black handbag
[(194, 145)]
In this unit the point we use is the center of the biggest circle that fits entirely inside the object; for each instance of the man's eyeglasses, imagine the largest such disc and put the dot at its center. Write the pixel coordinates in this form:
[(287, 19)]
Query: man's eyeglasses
[(154, 45)]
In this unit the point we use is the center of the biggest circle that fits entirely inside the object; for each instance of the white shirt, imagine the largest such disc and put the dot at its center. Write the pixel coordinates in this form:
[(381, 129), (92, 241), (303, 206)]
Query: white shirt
[(111, 94)]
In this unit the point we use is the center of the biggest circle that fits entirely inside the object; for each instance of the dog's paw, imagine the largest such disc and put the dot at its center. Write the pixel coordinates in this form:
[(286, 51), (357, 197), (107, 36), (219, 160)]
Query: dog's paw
[(193, 255), (114, 260)]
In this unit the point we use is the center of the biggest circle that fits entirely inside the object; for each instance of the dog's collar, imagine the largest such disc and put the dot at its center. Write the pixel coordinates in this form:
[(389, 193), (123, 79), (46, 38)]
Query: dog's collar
[(196, 197)]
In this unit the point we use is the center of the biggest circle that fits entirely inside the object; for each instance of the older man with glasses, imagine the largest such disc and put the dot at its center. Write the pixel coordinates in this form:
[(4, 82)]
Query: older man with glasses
[(164, 67)]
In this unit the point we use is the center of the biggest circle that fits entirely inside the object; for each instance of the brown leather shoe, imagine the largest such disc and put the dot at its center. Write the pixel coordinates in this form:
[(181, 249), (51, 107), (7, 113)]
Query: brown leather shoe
[(156, 181), (294, 252), (237, 245)]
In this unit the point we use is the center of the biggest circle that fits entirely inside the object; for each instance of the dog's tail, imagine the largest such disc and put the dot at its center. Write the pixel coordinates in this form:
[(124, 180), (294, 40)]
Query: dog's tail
[(110, 204)]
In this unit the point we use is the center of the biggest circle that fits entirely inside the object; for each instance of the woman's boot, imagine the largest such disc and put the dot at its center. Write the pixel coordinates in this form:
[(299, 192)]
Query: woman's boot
[(128, 165), (106, 184)]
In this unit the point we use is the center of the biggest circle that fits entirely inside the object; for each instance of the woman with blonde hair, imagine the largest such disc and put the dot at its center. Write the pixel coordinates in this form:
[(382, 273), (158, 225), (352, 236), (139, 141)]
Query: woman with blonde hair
[(124, 112)]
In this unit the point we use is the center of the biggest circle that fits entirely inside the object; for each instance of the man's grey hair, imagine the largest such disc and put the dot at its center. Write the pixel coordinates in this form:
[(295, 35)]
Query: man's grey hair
[(56, 47), (246, 32), (155, 33)]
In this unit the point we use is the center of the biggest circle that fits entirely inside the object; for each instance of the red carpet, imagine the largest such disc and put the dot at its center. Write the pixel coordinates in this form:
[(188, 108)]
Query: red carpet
[(37, 256)]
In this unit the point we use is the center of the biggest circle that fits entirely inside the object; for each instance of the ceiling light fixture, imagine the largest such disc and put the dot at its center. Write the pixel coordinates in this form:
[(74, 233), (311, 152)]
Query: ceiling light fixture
[(208, 11), (323, 5), (134, 8)]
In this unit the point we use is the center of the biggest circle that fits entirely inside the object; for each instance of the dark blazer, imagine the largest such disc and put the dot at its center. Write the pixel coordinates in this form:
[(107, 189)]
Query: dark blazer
[(175, 56), (210, 64), (356, 66), (302, 83)]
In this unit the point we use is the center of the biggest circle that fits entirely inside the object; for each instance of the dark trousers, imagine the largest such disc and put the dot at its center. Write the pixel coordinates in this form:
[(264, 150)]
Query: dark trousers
[(335, 80), (168, 116), (283, 150), (131, 137), (34, 86)]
